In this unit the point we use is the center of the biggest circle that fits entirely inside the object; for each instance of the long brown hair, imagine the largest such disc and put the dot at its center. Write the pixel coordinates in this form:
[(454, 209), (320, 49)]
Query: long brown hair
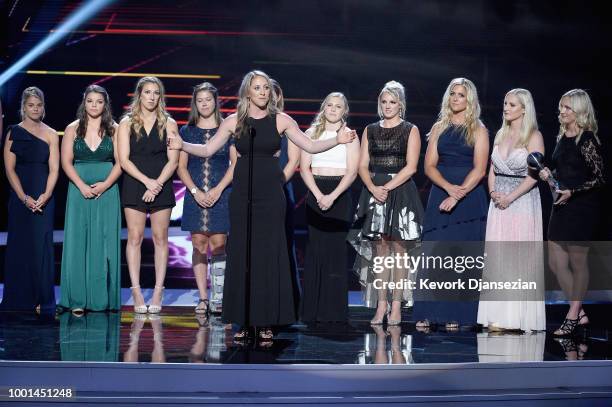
[(107, 122), (194, 115)]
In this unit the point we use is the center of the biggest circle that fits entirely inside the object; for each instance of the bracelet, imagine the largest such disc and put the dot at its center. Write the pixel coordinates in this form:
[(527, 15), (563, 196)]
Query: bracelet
[(25, 200), (491, 192)]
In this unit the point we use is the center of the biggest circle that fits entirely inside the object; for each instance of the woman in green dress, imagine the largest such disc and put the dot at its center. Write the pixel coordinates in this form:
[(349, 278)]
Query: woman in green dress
[(91, 260)]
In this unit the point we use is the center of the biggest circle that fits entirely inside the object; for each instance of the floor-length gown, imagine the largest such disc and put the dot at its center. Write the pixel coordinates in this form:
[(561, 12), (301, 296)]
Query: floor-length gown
[(270, 291), (514, 249), (91, 259), (29, 260), (466, 222)]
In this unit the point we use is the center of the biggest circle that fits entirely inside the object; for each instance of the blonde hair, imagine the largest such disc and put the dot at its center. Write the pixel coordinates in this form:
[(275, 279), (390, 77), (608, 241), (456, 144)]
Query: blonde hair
[(278, 92), (134, 111), (317, 127), (529, 122), (396, 90), (242, 109), (194, 115), (35, 92), (472, 111), (581, 105)]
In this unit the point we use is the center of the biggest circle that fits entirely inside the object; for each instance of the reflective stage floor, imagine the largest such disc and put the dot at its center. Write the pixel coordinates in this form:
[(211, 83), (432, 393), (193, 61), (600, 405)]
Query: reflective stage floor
[(178, 336)]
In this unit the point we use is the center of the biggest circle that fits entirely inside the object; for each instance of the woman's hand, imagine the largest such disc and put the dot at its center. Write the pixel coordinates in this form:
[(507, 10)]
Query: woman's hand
[(212, 196), (42, 201), (545, 174), (502, 202), (148, 196), (345, 135), (30, 203), (448, 204), (564, 195), (325, 202), (379, 193), (98, 189), (153, 185), (200, 198), (174, 141), (87, 192), (456, 191)]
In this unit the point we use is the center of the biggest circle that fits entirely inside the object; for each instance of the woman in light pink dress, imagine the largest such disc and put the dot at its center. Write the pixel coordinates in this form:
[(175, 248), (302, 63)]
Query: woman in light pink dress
[(514, 223)]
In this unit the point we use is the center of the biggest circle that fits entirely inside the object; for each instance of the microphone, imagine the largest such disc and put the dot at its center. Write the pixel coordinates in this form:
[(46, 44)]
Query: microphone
[(535, 161)]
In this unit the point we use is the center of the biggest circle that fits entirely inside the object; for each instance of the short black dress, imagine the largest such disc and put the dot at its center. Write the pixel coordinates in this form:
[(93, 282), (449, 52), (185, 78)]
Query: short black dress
[(149, 155), (579, 167)]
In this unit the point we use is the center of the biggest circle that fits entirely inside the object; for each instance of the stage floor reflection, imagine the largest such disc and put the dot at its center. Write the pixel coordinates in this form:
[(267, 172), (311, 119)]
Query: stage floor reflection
[(178, 336)]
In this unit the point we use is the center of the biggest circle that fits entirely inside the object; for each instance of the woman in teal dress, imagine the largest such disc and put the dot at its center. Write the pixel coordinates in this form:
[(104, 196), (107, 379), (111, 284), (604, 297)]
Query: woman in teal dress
[(91, 260)]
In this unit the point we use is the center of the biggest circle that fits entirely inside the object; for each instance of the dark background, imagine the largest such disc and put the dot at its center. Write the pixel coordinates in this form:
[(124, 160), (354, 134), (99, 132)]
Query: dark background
[(313, 48)]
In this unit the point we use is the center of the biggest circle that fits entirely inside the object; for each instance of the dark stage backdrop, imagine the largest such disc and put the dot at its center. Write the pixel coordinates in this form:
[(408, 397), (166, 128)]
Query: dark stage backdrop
[(313, 48)]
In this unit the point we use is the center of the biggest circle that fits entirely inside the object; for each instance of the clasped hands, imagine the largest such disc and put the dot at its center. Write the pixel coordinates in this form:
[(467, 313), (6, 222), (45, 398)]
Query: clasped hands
[(455, 194), (38, 204), (207, 199), (93, 191), (154, 187), (325, 202)]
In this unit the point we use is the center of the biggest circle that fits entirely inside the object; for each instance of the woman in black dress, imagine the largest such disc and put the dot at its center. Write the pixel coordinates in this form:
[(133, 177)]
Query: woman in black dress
[(31, 161), (577, 165), (328, 176), (147, 182), (270, 290)]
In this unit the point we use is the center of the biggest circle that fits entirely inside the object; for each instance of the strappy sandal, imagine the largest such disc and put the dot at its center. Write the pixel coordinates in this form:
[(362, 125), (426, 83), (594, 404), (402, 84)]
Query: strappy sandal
[(567, 328), (156, 308), (205, 309), (138, 309)]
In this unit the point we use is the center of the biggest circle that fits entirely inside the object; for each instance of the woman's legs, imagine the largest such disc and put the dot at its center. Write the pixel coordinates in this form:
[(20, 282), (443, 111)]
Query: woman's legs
[(578, 257), (199, 259), (159, 227), (135, 221), (216, 244)]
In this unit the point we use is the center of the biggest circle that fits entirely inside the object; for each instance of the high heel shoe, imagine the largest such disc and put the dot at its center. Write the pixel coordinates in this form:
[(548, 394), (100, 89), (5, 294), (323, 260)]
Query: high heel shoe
[(567, 328), (155, 308), (582, 315), (205, 309), (138, 309), (379, 321), (393, 322)]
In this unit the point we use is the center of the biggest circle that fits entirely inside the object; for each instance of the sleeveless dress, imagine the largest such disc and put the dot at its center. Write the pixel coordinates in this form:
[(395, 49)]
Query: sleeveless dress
[(29, 260), (325, 273), (466, 222), (514, 250), (91, 259), (400, 216), (206, 173), (270, 291), (578, 167), (149, 155)]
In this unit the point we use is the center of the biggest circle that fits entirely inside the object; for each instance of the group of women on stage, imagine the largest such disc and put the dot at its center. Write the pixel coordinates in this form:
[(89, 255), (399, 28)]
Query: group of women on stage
[(254, 283)]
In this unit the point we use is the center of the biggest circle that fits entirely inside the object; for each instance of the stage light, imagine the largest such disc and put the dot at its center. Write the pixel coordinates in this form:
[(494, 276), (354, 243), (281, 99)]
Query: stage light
[(84, 13)]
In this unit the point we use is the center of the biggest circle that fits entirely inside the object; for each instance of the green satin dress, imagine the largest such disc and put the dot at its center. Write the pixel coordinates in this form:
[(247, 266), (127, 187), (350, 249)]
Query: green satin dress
[(91, 259)]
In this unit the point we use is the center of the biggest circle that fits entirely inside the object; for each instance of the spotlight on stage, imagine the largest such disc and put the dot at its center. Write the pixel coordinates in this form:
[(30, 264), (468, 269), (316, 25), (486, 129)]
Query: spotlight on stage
[(78, 17)]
